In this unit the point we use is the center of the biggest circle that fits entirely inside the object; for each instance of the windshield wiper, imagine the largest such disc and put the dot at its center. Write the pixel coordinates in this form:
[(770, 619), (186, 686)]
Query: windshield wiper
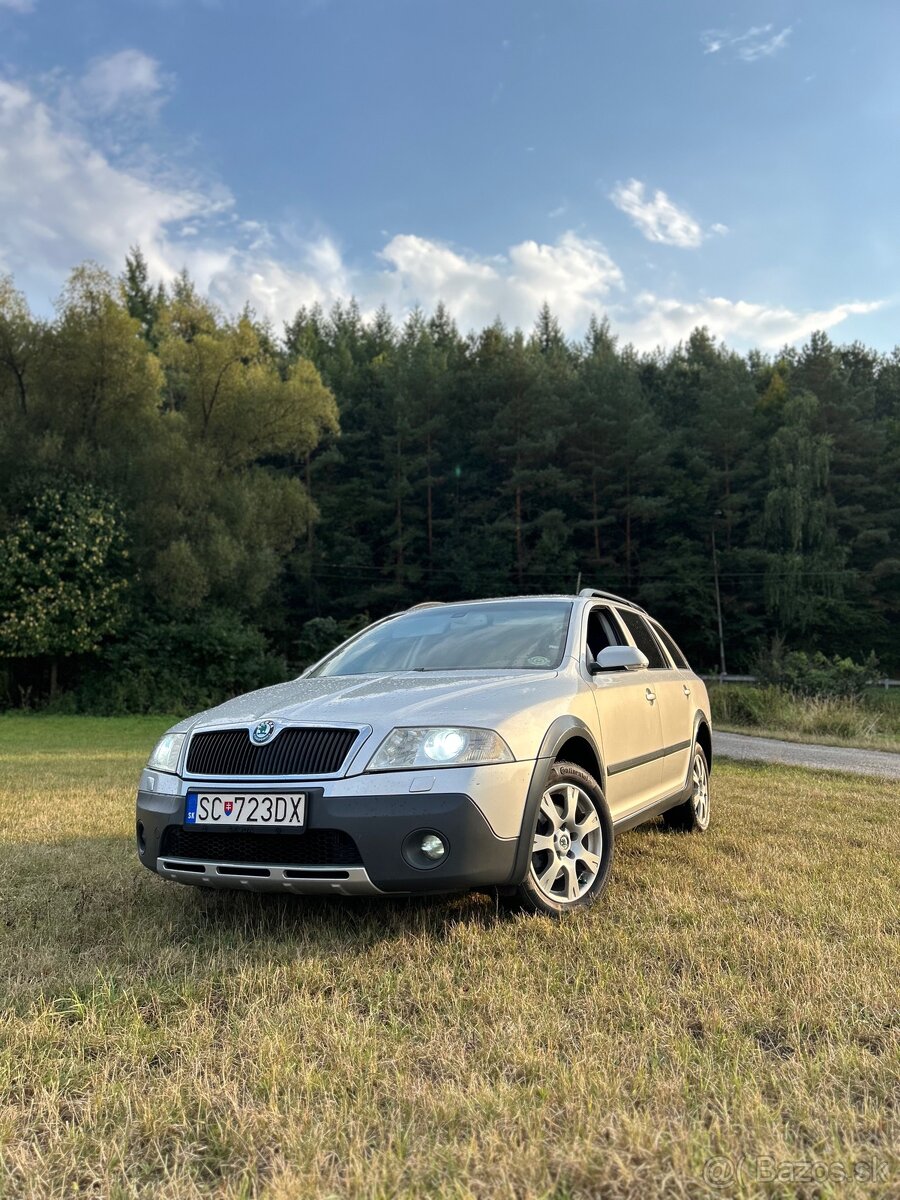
[(448, 668)]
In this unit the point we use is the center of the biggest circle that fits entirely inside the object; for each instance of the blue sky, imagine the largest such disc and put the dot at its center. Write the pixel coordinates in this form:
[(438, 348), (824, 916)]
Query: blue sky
[(666, 162)]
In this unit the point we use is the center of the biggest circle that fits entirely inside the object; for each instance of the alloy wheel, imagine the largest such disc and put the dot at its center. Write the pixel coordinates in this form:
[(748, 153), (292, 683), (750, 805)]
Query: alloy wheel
[(567, 853), (700, 790)]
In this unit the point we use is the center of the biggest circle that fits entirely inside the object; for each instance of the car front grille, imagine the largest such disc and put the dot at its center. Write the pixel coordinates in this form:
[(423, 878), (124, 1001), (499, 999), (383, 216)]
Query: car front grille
[(313, 848), (293, 751)]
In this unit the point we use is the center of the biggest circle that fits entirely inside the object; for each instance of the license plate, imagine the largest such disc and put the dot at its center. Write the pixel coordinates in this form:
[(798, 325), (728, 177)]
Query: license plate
[(246, 808)]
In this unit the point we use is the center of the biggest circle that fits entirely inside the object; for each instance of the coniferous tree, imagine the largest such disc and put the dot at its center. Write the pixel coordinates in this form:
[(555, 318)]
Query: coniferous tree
[(805, 558), (143, 301), (463, 466)]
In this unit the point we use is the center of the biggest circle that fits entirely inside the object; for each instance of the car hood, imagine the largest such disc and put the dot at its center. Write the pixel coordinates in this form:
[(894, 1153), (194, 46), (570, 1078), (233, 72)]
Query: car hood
[(486, 698)]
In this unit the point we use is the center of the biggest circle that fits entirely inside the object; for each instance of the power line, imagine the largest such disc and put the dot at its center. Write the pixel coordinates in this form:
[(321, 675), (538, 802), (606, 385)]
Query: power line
[(388, 573)]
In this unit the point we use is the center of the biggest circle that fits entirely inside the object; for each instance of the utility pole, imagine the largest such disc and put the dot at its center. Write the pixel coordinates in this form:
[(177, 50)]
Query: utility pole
[(722, 671)]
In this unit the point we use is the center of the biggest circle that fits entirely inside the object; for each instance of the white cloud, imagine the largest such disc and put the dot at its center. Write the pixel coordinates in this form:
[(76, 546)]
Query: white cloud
[(574, 275), (765, 48), (63, 200), (126, 78), (655, 321), (233, 276), (19, 6), (757, 42), (656, 216)]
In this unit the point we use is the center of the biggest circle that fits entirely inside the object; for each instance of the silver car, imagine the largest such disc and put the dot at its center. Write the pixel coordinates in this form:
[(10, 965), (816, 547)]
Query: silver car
[(486, 744)]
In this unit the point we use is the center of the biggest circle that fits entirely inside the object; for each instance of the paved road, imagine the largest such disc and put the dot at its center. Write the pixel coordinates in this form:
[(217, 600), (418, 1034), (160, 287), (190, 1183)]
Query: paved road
[(797, 754)]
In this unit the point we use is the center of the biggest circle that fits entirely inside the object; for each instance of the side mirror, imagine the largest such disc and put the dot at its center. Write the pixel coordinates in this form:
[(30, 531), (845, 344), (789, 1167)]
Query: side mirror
[(619, 658)]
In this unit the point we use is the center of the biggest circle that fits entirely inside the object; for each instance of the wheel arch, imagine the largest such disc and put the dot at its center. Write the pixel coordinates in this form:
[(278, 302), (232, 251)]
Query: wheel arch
[(703, 737), (569, 739)]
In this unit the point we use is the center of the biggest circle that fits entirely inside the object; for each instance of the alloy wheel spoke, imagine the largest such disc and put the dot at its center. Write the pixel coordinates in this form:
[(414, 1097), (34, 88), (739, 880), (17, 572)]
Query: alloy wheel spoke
[(543, 841), (549, 809), (549, 877), (588, 825), (571, 880), (591, 861), (572, 795)]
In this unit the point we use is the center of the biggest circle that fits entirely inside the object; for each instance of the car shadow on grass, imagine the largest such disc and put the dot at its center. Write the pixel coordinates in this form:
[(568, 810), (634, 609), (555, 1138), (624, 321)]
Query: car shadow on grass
[(91, 896), (346, 917), (70, 907)]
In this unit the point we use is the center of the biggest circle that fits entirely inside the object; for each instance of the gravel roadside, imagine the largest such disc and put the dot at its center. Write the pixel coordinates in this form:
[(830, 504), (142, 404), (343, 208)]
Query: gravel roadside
[(797, 754)]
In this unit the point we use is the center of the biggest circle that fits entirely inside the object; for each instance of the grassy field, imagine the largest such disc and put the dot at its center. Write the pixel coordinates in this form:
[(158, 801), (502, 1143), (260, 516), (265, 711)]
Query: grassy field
[(733, 997), (872, 723)]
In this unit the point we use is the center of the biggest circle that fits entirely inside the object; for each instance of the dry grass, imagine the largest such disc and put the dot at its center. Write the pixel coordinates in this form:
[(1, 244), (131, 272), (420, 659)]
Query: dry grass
[(733, 995)]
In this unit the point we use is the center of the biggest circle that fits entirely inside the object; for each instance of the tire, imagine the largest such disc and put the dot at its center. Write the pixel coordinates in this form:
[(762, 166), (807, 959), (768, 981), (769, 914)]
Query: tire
[(693, 815), (574, 834)]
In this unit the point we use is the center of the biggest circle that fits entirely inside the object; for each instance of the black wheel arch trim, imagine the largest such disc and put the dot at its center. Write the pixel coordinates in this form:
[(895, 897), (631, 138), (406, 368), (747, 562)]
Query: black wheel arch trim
[(700, 719), (562, 729)]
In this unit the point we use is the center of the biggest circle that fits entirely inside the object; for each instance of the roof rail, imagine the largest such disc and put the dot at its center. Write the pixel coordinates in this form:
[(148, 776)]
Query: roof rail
[(425, 604), (587, 593)]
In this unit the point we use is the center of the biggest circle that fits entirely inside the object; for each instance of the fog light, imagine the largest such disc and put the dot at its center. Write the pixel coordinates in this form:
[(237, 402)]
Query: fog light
[(433, 847), (425, 849)]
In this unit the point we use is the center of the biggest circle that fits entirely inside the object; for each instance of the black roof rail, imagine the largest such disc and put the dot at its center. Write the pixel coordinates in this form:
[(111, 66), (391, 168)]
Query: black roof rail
[(588, 593)]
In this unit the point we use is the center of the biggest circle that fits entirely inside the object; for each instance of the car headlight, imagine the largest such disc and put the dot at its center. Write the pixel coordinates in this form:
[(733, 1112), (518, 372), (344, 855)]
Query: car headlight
[(439, 746), (167, 752)]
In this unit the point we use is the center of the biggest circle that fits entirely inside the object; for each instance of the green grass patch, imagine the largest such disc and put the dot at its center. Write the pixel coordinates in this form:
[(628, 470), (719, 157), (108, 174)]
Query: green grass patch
[(872, 722), (733, 994), (25, 734)]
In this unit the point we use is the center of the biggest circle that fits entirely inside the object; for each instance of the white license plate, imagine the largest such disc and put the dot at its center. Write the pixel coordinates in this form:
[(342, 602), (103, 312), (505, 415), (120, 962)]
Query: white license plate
[(246, 808)]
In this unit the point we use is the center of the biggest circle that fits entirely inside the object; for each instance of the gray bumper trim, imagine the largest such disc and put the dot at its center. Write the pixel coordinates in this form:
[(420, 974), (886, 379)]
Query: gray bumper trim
[(262, 877)]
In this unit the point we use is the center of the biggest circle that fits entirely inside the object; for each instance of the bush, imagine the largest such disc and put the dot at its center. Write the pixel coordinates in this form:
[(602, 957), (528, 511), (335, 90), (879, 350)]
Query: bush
[(322, 634), (176, 667), (815, 674), (775, 711), (754, 707)]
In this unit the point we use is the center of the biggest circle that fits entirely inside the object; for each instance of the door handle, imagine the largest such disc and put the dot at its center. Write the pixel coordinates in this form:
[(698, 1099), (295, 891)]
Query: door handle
[(649, 695), (685, 689)]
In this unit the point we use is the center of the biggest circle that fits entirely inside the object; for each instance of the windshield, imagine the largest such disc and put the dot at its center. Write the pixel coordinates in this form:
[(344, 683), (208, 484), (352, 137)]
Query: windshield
[(519, 635)]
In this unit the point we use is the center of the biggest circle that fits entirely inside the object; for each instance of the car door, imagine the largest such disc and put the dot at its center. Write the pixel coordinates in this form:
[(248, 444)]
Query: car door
[(673, 699), (629, 723), (678, 708)]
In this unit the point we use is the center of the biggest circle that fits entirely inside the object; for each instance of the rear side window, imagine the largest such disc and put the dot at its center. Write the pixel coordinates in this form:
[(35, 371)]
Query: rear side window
[(677, 657), (644, 639)]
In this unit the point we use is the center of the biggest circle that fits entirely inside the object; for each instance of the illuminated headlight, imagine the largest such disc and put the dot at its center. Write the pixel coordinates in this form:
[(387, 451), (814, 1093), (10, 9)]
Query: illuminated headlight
[(167, 752), (451, 746)]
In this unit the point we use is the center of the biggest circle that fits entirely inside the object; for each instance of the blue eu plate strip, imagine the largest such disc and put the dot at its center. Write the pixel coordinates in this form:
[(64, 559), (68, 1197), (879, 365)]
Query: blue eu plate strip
[(190, 811)]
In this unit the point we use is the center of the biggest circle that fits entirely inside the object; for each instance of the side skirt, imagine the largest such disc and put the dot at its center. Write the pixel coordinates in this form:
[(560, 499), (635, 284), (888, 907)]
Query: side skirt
[(652, 810)]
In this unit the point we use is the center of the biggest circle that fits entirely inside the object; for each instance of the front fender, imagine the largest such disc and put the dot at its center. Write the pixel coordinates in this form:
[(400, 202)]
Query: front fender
[(554, 739)]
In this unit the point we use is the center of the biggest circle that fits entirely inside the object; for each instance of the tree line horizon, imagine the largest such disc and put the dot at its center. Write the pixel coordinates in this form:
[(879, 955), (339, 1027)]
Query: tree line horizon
[(192, 504)]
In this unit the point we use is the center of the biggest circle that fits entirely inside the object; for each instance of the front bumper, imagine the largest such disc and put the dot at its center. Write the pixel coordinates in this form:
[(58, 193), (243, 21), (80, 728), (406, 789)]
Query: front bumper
[(367, 818)]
